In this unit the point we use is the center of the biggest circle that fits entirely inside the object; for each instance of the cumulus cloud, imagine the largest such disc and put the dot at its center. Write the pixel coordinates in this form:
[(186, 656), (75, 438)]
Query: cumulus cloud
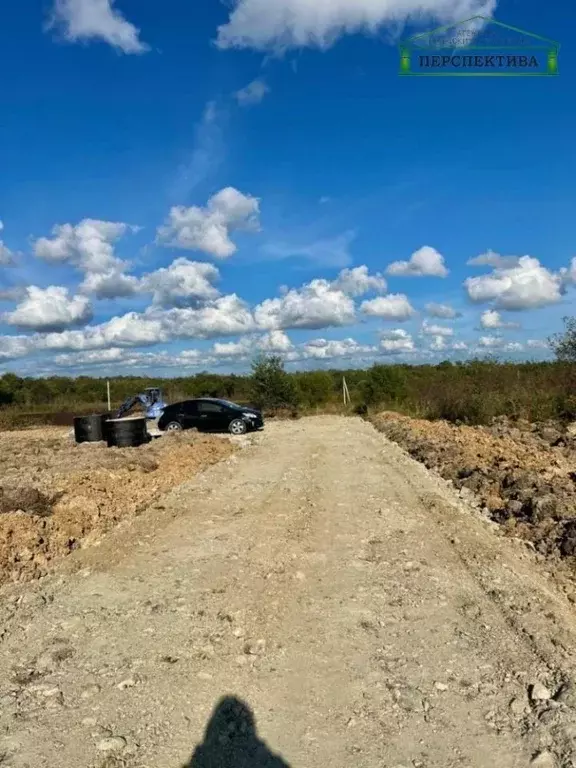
[(397, 342), (426, 262), (492, 319), (89, 247), (208, 229), (527, 285), (323, 349), (128, 358), (315, 305), (492, 259), (275, 342), (225, 316), (112, 284), (49, 309), (183, 283), (394, 306), (358, 281), (430, 329), (6, 255), (459, 346), (491, 342), (83, 20), (282, 24), (442, 311), (253, 93), (438, 344)]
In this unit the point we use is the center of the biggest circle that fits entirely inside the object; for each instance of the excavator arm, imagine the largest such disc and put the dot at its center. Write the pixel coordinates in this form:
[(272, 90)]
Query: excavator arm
[(128, 404)]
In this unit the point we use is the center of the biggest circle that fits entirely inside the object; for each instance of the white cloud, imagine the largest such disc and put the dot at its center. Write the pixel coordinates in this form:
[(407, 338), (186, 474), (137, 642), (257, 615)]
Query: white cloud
[(395, 306), (459, 346), (129, 359), (183, 283), (322, 349), (111, 284), (326, 252), (208, 229), (97, 20), (358, 281), (275, 342), (438, 344), (226, 316), (50, 309), (431, 329), (253, 93), (6, 255), (397, 342), (491, 342), (492, 259), (443, 311), (282, 24), (89, 246), (12, 347), (492, 319), (527, 285), (395, 333), (426, 262), (568, 276), (314, 305)]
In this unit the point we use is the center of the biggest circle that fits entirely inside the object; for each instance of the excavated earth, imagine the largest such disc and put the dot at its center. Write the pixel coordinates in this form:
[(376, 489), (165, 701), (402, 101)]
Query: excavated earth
[(56, 496), (522, 475)]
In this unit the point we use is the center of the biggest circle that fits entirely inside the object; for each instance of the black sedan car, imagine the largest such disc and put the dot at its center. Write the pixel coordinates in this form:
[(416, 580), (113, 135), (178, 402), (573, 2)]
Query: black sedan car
[(209, 414)]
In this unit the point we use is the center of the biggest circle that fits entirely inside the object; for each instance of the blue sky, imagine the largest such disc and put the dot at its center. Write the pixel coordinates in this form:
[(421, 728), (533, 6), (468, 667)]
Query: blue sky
[(227, 181)]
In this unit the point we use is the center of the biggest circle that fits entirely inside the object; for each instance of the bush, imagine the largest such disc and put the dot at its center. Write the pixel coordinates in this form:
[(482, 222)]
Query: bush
[(384, 384), (272, 387), (315, 388)]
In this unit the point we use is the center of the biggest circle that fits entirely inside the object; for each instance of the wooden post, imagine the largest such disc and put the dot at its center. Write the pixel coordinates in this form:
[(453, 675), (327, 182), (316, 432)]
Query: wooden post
[(345, 392), (109, 403)]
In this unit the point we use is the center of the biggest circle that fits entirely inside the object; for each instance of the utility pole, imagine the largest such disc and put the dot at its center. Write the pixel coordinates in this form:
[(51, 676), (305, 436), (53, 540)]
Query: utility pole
[(109, 403), (345, 392)]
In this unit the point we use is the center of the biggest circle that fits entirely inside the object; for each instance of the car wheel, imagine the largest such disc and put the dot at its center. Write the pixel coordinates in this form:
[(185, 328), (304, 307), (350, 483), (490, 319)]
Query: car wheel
[(237, 427), (174, 426)]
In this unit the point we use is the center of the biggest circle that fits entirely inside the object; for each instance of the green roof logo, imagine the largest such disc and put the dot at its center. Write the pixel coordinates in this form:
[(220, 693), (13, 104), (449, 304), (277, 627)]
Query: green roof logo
[(479, 47)]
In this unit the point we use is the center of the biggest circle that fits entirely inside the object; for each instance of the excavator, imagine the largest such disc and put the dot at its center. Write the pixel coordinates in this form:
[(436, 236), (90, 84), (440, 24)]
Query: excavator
[(151, 399)]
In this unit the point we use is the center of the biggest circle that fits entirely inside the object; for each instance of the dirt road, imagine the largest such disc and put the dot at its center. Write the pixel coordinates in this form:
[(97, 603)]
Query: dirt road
[(329, 584)]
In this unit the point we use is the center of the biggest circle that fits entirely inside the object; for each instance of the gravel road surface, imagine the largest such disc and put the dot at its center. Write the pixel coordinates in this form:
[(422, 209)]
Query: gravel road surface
[(318, 600)]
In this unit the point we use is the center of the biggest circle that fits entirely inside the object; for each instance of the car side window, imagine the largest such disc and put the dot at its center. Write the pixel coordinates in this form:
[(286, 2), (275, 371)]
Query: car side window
[(210, 408), (189, 408)]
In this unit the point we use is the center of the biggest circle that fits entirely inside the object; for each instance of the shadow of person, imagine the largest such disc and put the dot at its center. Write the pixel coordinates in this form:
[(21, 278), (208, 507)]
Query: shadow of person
[(231, 740)]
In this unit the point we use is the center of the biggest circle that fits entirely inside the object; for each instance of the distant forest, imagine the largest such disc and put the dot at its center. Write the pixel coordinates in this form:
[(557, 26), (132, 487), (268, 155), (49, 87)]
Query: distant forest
[(472, 392)]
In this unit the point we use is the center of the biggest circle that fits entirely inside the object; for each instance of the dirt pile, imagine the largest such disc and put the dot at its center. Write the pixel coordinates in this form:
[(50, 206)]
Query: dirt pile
[(56, 496), (523, 475)]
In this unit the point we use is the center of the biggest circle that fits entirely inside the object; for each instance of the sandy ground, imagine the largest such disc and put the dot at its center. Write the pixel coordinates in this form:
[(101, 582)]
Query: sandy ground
[(56, 496), (349, 607)]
